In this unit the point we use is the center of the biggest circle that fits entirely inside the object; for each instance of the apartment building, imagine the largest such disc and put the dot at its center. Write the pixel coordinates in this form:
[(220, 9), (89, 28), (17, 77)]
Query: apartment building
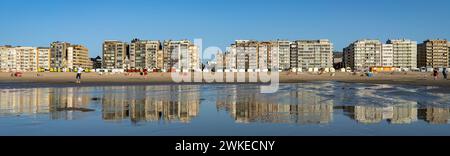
[(312, 54), (43, 58), (7, 58), (180, 55), (26, 58), (404, 52), (246, 54), (78, 56), (115, 54), (230, 58), (363, 54), (144, 54), (58, 54), (283, 49), (433, 54), (387, 55)]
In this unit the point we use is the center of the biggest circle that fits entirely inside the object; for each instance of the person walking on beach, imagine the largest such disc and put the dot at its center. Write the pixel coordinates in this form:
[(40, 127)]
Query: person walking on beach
[(435, 74), (78, 77), (445, 73)]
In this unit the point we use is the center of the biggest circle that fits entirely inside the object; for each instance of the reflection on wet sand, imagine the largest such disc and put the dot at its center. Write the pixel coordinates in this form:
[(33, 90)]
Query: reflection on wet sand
[(301, 107), (151, 103), (398, 114), (58, 103), (294, 104)]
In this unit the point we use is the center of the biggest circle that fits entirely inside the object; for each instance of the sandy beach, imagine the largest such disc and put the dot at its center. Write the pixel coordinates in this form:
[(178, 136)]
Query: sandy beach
[(95, 79)]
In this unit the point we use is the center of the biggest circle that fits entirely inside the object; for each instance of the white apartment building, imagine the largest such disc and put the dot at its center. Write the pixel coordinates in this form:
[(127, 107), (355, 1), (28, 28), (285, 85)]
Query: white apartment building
[(7, 58), (230, 59), (26, 58), (363, 54), (313, 54), (43, 58), (387, 55), (405, 53)]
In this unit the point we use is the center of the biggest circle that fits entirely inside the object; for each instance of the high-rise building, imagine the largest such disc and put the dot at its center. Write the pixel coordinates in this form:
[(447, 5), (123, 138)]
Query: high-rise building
[(180, 55), (338, 60), (363, 54), (144, 53), (313, 54), (26, 58), (115, 54), (220, 61), (387, 55), (230, 58), (7, 58), (405, 53), (58, 54), (78, 56), (43, 58), (433, 54), (283, 48), (246, 54)]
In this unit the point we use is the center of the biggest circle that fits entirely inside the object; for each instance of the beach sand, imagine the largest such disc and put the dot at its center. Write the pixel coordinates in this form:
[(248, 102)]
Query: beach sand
[(95, 79)]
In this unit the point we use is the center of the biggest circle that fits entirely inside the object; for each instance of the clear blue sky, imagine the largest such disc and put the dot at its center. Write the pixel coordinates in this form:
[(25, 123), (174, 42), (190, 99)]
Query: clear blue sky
[(219, 22)]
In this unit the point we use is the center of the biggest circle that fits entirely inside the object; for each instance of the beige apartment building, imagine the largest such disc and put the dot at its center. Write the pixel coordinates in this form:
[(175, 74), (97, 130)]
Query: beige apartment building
[(433, 54), (114, 54), (363, 54), (246, 54), (144, 54), (312, 54), (78, 56), (405, 53), (43, 58)]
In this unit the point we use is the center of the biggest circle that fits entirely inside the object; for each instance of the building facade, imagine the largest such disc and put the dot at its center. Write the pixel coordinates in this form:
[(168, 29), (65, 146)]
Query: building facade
[(114, 54), (144, 54), (433, 54), (26, 58), (180, 55), (313, 54), (363, 54), (43, 58), (404, 52), (78, 56), (58, 54), (387, 55)]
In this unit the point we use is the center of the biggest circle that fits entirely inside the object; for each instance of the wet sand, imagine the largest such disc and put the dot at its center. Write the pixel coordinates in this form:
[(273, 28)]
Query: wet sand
[(32, 79)]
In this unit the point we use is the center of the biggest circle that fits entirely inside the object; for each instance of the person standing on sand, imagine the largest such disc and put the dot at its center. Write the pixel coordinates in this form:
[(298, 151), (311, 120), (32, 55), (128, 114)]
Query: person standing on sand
[(435, 74), (78, 77), (445, 73)]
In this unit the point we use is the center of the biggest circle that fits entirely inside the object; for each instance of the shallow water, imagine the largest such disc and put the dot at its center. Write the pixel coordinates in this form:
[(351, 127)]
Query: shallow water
[(319, 108)]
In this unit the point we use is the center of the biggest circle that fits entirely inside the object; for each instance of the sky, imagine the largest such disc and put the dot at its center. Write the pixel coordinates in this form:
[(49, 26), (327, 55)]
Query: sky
[(219, 22)]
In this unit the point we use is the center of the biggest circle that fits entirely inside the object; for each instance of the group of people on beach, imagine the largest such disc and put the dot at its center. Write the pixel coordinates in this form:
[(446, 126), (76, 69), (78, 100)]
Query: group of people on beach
[(436, 73)]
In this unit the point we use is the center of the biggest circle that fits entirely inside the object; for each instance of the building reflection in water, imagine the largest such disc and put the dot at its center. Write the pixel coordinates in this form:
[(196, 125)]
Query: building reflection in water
[(398, 114), (180, 103), (151, 103), (248, 105), (58, 103)]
